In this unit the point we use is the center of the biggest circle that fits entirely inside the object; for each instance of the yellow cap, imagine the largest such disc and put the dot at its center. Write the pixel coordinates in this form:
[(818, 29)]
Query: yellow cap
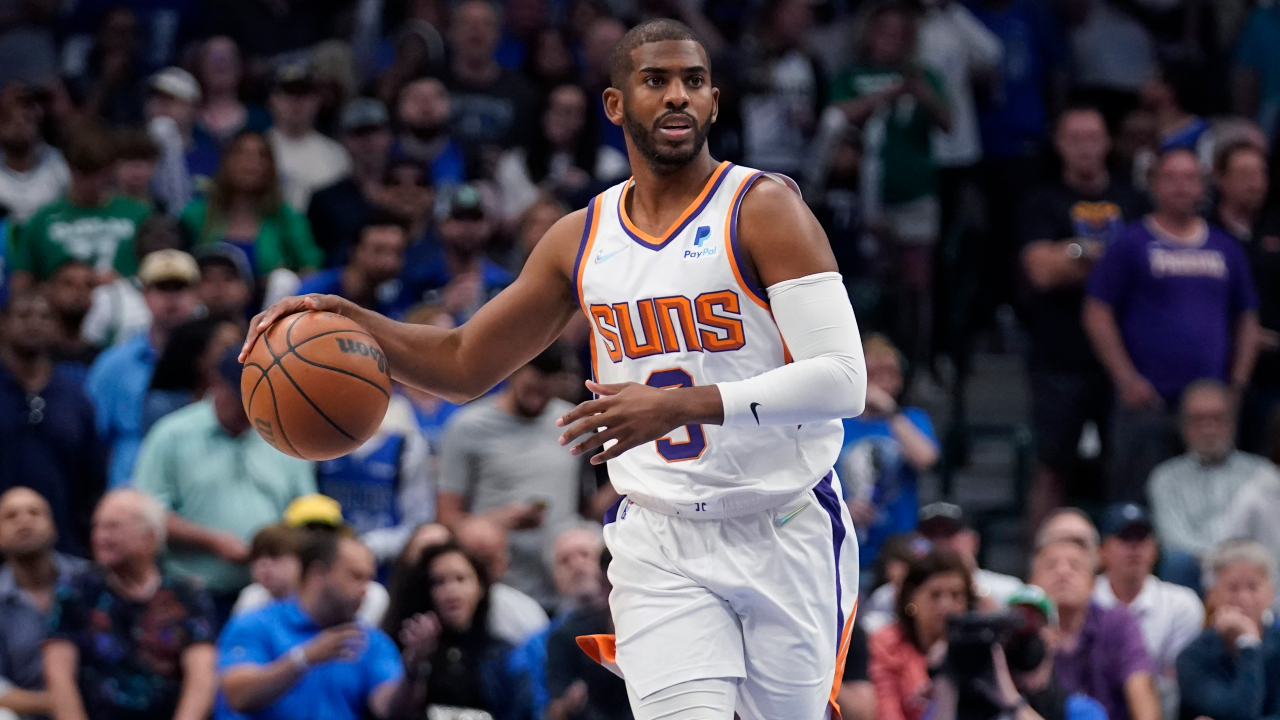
[(168, 266), (313, 508)]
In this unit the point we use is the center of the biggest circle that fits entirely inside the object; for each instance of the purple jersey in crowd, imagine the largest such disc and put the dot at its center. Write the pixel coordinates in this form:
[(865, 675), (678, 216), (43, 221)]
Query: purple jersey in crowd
[(1176, 302)]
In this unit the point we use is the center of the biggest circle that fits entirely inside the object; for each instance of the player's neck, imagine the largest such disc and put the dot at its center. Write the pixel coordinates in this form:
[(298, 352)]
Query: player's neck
[(657, 196)]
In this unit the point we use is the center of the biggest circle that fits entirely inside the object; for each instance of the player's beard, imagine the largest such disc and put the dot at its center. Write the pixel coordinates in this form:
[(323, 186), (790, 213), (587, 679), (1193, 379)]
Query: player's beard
[(664, 161)]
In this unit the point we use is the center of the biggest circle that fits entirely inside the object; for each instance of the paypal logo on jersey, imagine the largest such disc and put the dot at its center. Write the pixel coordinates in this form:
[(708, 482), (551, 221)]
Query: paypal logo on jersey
[(700, 248)]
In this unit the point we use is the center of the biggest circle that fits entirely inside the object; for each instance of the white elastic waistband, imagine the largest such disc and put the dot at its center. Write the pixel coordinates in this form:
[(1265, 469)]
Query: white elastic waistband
[(722, 509)]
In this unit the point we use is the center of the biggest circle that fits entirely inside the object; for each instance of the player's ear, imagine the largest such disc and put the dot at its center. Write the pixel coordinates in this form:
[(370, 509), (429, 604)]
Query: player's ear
[(613, 105), (715, 103)]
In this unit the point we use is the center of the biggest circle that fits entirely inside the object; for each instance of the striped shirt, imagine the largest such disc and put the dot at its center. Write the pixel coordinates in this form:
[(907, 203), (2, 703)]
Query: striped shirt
[(1190, 498)]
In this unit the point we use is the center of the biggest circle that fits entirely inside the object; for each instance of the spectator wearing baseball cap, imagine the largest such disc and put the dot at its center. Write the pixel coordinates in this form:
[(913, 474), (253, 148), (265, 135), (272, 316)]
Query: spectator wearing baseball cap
[(226, 280), (339, 211), (946, 526), (118, 379), (1169, 615), (220, 482), (188, 158), (307, 160)]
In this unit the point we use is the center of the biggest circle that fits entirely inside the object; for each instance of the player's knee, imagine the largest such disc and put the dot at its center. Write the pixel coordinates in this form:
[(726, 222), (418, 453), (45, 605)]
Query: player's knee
[(706, 699)]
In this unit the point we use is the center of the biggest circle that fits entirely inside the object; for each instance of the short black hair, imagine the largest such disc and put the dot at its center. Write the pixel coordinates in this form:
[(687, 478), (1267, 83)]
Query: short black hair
[(318, 548), (379, 217), (652, 31), (1223, 157)]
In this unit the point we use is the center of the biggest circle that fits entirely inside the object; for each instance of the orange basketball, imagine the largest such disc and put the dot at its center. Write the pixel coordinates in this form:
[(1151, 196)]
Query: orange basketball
[(315, 385)]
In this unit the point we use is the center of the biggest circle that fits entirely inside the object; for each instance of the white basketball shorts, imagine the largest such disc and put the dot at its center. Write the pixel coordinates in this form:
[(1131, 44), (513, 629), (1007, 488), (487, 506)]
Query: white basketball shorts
[(767, 597)]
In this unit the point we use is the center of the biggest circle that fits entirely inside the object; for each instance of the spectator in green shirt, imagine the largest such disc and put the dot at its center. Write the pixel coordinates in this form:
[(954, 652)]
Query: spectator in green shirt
[(89, 224), (245, 208)]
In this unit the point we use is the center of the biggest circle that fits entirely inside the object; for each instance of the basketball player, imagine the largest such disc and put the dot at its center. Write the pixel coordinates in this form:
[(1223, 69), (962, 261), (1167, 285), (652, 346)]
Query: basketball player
[(724, 352)]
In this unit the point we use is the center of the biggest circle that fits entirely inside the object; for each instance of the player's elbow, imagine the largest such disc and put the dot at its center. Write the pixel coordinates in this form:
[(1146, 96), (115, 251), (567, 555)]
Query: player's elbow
[(850, 382)]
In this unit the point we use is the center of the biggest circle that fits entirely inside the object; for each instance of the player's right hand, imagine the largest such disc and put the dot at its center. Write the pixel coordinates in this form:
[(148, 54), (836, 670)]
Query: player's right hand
[(289, 306), (340, 642)]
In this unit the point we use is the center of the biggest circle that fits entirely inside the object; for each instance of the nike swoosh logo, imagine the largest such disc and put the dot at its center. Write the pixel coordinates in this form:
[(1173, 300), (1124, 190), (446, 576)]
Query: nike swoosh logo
[(754, 414), (601, 257), (785, 519)]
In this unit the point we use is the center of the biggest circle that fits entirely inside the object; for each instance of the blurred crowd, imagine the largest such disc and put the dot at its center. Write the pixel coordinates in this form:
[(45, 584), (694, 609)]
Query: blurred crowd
[(1087, 182)]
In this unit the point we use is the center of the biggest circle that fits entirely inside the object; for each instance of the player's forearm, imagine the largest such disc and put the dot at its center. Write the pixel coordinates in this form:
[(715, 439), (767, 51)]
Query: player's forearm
[(420, 356), (1104, 333), (1248, 336)]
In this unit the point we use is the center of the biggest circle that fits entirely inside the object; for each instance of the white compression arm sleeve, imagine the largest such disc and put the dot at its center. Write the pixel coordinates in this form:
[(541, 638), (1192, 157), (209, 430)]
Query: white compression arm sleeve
[(828, 378)]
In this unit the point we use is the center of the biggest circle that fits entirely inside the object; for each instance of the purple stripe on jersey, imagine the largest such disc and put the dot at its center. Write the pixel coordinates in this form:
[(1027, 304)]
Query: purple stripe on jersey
[(675, 232), (747, 278), (582, 248), (611, 515), (831, 503)]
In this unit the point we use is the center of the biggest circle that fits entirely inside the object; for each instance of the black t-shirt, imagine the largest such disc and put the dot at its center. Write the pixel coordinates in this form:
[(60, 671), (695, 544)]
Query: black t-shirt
[(1056, 212), (566, 663), (500, 114), (1264, 259), (855, 661)]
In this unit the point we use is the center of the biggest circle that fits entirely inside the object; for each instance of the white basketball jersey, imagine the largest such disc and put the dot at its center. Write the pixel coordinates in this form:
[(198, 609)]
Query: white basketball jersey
[(681, 310)]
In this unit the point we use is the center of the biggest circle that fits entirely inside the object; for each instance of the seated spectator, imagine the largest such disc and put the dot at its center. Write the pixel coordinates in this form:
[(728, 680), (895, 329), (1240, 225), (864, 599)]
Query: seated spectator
[(884, 449), (407, 193), (47, 436), (127, 640), (386, 486), (32, 174), (946, 526), (220, 71), (187, 159), (532, 225), (339, 211), (307, 160), (513, 615), (576, 685), (226, 280), (182, 373), (275, 562), (1169, 615), (423, 113), (1190, 494), (244, 208), (468, 668), (278, 662), (27, 583), (1071, 524), (118, 380), (1171, 301), (87, 224), (1232, 670), (137, 157), (1253, 512), (937, 586), (887, 574), (1101, 654), (371, 276), (575, 564), (70, 293), (219, 482), (501, 458)]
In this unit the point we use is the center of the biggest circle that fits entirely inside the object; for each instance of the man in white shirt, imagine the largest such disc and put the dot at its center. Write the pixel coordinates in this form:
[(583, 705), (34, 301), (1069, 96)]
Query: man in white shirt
[(306, 160), (32, 174), (1170, 615), (946, 526)]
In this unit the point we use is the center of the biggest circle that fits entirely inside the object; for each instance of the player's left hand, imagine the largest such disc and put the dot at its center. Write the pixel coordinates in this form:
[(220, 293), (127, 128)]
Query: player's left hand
[(631, 413)]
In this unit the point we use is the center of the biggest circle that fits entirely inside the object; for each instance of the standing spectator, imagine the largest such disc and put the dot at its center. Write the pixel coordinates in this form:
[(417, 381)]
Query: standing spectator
[(119, 377), (884, 449), (220, 71), (1191, 493), (32, 174), (946, 526), (226, 280), (87, 224), (187, 159), (1102, 654), (1173, 96), (219, 482), (1169, 615), (1240, 173), (127, 640), (1066, 227), (1232, 670), (1255, 79), (513, 616), (47, 436), (898, 104), (27, 583), (423, 113), (1172, 300), (469, 666), (305, 654), (307, 160), (1113, 56), (501, 459), (493, 107), (370, 278), (936, 587), (338, 212), (245, 208), (70, 293)]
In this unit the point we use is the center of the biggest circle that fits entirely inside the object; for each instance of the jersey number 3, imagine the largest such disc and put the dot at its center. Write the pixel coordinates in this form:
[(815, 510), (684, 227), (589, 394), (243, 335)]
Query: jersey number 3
[(670, 450)]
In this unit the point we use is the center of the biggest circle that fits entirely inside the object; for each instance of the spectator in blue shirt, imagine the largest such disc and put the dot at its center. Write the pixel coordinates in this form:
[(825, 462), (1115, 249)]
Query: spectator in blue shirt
[(119, 377), (47, 436), (307, 658), (423, 113), (884, 449), (371, 278)]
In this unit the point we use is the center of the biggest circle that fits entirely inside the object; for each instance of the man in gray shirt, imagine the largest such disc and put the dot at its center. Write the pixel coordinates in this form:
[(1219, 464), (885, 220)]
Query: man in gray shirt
[(27, 583), (1191, 494), (501, 458)]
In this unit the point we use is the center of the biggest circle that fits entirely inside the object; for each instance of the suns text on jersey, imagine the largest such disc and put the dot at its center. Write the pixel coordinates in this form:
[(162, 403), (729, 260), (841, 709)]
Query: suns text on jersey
[(711, 322)]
